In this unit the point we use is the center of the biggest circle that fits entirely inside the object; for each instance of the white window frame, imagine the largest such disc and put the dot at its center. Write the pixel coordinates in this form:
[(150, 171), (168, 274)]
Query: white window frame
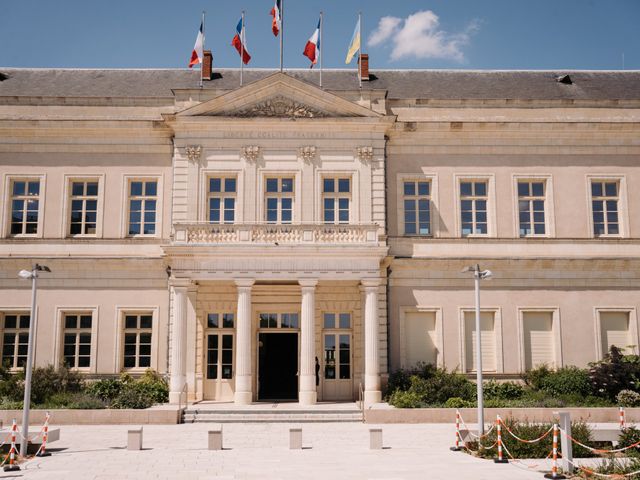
[(439, 333), (633, 326), (434, 201), (206, 175), (623, 211), (491, 209), (337, 196), (549, 204), (8, 196), (497, 327), (16, 311), (262, 194), (59, 328), (126, 182), (66, 214), (555, 331), (354, 204), (121, 311), (336, 330), (219, 332)]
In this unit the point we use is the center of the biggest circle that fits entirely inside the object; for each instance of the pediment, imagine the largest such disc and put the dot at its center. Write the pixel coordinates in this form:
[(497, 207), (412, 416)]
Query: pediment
[(279, 96)]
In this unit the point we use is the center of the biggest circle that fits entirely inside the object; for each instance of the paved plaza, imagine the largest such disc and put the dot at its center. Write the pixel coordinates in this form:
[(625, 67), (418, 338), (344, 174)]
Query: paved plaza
[(337, 451)]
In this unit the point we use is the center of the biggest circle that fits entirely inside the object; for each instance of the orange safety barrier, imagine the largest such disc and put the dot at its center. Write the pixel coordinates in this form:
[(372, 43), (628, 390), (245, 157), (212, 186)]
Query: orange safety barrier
[(12, 467), (500, 458), (42, 452), (456, 448), (622, 420), (554, 465)]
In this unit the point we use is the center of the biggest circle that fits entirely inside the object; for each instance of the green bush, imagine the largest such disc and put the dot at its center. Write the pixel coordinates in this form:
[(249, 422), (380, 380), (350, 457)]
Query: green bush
[(106, 389), (630, 436), (133, 395), (531, 431), (628, 398), (155, 386), (406, 399), (614, 373), (457, 402), (617, 467), (566, 381), (47, 381), (502, 391), (10, 404)]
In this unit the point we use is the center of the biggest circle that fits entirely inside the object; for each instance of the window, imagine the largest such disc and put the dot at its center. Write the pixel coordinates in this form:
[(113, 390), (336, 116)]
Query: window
[(614, 330), (417, 208), (25, 202), (337, 346), (336, 198), (487, 340), (222, 199), (473, 208), (604, 206), (137, 340), (539, 348), (77, 340), (279, 200), (219, 346), (420, 338), (84, 207), (143, 201), (279, 320), (531, 202), (15, 340)]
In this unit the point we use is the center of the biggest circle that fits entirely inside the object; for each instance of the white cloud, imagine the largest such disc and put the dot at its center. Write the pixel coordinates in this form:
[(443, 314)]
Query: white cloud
[(419, 36)]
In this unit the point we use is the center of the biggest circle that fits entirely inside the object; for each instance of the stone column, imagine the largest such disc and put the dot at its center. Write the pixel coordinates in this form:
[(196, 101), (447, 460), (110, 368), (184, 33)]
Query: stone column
[(372, 393), (178, 344), (243, 392), (307, 368)]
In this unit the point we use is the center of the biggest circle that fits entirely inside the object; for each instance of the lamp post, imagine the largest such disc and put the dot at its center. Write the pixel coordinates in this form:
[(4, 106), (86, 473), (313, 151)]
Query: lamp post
[(477, 276), (33, 276)]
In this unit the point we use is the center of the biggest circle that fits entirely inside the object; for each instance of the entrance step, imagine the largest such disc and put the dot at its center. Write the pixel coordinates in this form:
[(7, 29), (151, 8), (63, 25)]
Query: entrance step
[(204, 415)]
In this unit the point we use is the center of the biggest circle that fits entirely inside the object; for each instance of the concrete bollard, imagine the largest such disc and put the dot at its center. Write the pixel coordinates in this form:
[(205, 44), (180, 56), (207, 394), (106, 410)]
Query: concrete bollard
[(375, 439), (134, 439), (295, 438), (566, 447), (215, 439)]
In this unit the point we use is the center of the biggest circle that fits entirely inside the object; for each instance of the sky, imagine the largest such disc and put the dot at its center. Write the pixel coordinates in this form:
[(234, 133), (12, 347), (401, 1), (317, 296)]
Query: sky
[(451, 34)]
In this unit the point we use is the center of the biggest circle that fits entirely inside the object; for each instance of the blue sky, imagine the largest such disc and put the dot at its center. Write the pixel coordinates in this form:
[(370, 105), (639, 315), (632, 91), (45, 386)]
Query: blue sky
[(476, 34)]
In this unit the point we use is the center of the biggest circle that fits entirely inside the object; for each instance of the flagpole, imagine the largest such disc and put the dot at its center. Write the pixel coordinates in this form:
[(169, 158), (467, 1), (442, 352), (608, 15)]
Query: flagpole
[(281, 33), (360, 50), (321, 42), (202, 59), (242, 35)]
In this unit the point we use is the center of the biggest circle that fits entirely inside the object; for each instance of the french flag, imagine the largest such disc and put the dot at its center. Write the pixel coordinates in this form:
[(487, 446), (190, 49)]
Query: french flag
[(312, 49), (196, 55), (237, 42), (277, 19)]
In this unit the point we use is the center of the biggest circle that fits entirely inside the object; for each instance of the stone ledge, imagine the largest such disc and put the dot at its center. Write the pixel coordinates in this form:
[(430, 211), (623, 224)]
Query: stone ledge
[(150, 416), (448, 415)]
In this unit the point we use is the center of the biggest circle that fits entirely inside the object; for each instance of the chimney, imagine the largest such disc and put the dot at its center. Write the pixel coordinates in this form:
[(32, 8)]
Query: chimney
[(364, 66), (207, 61)]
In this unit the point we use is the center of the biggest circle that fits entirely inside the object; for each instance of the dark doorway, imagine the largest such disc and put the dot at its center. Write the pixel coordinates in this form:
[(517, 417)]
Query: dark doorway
[(278, 366)]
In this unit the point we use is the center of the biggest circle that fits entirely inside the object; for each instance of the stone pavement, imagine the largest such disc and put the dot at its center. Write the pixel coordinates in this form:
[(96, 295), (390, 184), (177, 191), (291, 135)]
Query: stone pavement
[(260, 451)]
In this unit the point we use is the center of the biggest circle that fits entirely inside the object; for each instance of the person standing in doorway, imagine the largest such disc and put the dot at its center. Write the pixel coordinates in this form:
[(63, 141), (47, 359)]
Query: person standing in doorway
[(317, 373)]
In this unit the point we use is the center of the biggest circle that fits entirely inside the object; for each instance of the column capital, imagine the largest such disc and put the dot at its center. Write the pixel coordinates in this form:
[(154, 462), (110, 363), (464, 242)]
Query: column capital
[(370, 283), (308, 282), (244, 282), (181, 283)]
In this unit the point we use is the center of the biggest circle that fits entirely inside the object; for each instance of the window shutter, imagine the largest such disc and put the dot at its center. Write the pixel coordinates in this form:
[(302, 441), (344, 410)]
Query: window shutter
[(420, 338), (614, 330), (538, 339), (487, 339)]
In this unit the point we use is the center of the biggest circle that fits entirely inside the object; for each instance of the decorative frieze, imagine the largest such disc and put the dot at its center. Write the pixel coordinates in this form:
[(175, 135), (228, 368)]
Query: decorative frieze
[(307, 153), (251, 153), (364, 153), (193, 152), (279, 107)]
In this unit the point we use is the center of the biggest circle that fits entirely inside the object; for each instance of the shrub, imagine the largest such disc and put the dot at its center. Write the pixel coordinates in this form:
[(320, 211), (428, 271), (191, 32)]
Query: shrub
[(502, 391), (535, 377), (457, 402), (614, 373), (628, 398), (630, 436), (133, 395), (155, 386), (398, 380), (47, 381), (106, 390), (87, 402), (566, 381), (406, 399), (530, 431)]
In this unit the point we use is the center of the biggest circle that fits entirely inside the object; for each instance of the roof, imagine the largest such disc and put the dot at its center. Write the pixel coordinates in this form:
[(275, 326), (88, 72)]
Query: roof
[(400, 84)]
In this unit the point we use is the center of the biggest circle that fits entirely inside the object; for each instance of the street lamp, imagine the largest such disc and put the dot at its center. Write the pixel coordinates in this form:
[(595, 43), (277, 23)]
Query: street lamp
[(33, 275), (479, 275)]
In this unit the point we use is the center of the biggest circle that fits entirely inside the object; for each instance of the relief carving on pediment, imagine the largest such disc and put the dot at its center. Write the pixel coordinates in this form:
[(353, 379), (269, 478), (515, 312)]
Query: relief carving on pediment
[(280, 107)]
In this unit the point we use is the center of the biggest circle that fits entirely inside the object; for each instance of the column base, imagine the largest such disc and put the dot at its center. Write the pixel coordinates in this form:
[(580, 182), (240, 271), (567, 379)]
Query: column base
[(307, 398), (177, 397), (372, 396), (243, 398)]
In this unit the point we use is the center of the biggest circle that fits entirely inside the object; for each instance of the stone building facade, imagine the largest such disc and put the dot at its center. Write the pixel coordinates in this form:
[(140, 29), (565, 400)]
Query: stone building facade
[(278, 240)]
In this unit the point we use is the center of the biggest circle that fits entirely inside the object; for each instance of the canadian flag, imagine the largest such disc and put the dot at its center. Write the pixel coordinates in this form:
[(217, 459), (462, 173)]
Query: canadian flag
[(312, 49), (197, 55)]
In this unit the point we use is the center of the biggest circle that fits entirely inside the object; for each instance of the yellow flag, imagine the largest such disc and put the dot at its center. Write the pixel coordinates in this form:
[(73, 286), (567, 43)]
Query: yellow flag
[(355, 43)]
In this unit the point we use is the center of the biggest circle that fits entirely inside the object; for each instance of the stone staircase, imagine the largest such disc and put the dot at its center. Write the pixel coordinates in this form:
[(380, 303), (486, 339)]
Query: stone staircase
[(282, 414)]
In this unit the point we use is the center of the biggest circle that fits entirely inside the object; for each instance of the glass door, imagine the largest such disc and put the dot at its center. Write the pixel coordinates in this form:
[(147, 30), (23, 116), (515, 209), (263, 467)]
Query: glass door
[(218, 357), (337, 381)]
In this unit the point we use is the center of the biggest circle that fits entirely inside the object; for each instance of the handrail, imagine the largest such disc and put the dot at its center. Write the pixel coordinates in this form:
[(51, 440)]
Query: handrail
[(361, 400), (186, 402)]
